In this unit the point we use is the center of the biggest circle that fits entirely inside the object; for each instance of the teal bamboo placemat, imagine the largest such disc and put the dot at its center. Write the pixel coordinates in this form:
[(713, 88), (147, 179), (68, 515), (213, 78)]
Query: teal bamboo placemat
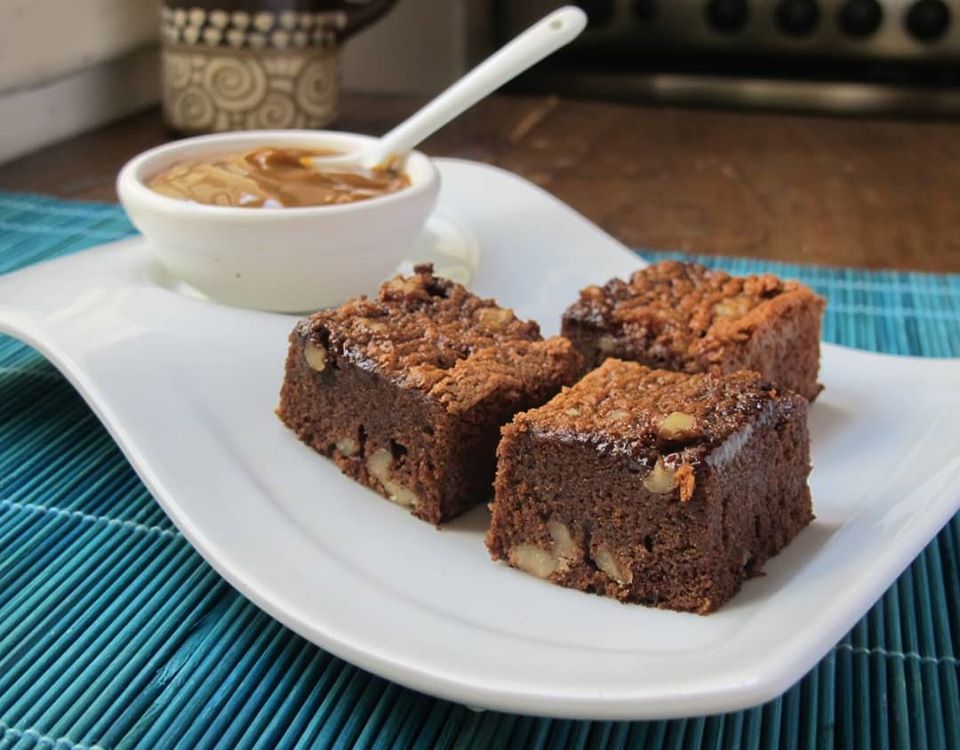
[(115, 634)]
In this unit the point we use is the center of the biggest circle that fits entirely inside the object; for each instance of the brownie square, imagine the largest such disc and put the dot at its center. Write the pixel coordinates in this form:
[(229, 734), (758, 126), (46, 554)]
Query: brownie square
[(682, 316), (407, 392), (653, 486)]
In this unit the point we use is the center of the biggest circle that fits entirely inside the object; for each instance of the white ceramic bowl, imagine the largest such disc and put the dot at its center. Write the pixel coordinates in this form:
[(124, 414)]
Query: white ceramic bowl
[(284, 259)]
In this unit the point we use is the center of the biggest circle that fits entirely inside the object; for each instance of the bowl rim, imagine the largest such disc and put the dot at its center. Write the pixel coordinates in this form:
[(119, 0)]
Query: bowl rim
[(131, 188)]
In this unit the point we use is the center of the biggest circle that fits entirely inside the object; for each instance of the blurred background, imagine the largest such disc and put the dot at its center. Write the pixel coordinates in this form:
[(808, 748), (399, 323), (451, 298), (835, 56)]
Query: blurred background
[(851, 56), (819, 131), (69, 67)]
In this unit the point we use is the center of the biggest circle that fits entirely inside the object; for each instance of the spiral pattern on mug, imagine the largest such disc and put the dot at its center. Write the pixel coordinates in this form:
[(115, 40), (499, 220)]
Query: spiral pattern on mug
[(176, 70), (316, 87), (277, 110), (192, 110), (236, 83)]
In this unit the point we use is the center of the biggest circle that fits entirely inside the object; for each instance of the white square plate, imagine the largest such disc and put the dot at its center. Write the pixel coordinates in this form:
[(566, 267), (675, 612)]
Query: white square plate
[(188, 388)]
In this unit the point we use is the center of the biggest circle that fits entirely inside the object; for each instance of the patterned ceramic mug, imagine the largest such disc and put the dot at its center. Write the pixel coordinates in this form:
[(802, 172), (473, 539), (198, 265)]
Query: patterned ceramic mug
[(247, 64)]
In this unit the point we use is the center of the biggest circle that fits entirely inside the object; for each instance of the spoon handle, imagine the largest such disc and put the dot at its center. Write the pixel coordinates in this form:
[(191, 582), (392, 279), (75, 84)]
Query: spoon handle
[(530, 47)]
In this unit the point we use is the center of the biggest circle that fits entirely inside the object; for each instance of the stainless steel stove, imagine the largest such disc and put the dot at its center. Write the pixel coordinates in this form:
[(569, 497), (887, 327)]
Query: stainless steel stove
[(856, 56)]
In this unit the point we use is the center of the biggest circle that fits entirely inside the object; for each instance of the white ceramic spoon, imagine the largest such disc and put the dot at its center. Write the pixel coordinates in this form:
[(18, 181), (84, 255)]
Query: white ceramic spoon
[(543, 38)]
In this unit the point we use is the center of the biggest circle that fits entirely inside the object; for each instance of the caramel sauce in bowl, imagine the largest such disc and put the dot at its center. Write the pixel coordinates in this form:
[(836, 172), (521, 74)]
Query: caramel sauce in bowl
[(242, 218), (272, 177)]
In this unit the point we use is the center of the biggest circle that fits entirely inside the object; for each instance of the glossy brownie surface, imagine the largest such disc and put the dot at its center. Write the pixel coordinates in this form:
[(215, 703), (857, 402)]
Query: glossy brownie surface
[(643, 412)]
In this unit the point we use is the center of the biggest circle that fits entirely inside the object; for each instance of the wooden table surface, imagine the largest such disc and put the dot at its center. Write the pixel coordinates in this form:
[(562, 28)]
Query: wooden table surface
[(852, 192)]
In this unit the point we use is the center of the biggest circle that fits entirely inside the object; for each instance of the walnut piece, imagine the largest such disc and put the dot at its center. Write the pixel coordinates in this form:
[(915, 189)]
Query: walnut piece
[(316, 356), (607, 344), (379, 464), (677, 425), (607, 563), (371, 324), (348, 447), (592, 292), (661, 480), (495, 318), (542, 562), (400, 285), (533, 560), (563, 545), (735, 307)]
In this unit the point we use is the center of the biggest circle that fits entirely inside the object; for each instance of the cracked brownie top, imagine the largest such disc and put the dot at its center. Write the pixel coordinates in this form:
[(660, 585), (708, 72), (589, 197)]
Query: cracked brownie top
[(677, 311), (431, 334)]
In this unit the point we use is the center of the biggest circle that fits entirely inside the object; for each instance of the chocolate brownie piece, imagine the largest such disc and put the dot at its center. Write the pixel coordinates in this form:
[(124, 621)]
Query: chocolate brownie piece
[(653, 486), (682, 316), (407, 392)]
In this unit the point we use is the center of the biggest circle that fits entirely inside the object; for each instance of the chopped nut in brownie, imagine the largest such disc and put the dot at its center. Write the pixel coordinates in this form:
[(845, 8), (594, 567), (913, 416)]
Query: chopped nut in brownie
[(651, 486), (407, 392), (682, 316)]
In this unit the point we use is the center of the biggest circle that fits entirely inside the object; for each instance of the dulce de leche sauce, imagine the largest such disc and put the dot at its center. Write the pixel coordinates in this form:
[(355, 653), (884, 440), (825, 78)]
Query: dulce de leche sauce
[(271, 177)]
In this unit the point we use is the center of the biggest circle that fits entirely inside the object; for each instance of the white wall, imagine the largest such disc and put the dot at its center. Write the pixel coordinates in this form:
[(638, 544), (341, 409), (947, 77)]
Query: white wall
[(67, 66), (419, 47), (41, 40)]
